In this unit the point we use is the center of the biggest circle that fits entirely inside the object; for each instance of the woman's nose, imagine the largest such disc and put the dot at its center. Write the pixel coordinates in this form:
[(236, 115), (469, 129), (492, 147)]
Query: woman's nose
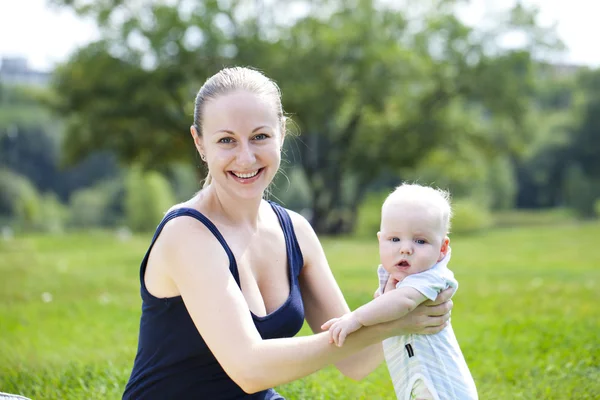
[(246, 156)]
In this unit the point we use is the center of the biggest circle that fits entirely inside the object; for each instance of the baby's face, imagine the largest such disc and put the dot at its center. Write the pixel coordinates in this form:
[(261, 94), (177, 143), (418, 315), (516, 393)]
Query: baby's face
[(411, 239)]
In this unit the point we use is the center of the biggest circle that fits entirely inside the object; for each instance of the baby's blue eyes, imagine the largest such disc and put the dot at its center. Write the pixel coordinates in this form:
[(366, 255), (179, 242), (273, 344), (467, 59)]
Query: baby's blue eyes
[(417, 241)]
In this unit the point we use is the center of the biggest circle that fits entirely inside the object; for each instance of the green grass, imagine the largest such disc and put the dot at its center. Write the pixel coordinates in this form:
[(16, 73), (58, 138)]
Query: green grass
[(525, 314)]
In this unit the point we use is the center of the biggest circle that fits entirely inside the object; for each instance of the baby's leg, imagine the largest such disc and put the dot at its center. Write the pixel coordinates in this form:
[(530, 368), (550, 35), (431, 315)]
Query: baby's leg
[(420, 392)]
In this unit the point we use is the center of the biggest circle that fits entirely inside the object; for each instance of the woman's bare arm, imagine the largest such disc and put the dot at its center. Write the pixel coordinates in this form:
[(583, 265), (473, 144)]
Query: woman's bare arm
[(198, 267), (323, 300)]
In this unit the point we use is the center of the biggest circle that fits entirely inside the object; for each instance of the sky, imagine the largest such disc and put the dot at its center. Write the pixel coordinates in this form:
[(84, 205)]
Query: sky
[(46, 35)]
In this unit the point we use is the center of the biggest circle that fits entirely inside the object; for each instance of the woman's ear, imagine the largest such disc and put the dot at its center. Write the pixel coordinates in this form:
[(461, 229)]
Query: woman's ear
[(198, 142), (444, 248)]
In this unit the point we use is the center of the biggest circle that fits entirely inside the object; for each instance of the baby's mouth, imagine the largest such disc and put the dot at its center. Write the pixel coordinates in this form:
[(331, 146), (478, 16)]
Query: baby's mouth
[(403, 264)]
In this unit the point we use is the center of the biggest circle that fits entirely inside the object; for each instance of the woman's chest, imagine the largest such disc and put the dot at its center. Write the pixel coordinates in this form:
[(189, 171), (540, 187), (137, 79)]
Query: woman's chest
[(264, 271)]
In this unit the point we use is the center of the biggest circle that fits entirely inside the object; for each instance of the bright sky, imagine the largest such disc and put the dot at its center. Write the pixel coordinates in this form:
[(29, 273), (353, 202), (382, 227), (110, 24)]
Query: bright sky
[(46, 35)]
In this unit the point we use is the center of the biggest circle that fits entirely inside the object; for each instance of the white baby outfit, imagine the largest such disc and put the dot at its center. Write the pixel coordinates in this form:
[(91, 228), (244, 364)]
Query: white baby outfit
[(435, 359)]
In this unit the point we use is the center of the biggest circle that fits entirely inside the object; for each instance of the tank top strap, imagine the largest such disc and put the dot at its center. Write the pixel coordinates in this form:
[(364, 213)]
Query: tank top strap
[(291, 242), (190, 212)]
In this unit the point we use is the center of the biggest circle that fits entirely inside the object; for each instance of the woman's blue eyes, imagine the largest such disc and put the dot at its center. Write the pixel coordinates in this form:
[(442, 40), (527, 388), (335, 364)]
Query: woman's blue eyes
[(228, 140)]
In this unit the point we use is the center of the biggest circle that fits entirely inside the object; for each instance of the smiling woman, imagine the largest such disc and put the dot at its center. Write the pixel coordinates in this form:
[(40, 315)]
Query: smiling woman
[(247, 103), (229, 278), (248, 150)]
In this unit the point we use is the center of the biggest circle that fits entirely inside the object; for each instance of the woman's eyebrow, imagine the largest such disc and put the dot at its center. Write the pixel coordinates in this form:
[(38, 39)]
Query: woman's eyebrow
[(233, 133), (260, 127), (225, 131)]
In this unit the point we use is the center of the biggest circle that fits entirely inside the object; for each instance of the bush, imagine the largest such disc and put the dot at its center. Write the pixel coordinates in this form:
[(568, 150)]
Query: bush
[(21, 203), (291, 189), (14, 189), (28, 206), (369, 214), (53, 214), (469, 216), (580, 191), (148, 196), (501, 182), (96, 206), (185, 181), (597, 208)]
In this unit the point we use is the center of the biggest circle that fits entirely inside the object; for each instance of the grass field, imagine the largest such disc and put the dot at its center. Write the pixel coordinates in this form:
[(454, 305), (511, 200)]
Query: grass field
[(526, 314)]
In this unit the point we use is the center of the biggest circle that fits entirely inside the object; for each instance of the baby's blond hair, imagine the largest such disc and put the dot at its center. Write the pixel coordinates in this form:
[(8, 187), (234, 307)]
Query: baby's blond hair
[(432, 197)]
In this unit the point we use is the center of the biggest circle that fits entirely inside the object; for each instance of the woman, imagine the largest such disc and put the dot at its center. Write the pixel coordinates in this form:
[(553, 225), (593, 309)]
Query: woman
[(229, 277)]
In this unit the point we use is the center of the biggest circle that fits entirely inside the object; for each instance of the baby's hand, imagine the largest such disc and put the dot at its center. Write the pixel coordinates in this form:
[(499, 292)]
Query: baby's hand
[(341, 327), (390, 285)]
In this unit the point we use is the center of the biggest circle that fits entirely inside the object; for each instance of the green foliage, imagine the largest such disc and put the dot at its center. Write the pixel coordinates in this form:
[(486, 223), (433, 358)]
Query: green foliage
[(148, 196), (585, 145), (566, 136), (12, 187), (96, 206), (26, 208), (19, 198), (290, 189), (78, 341), (534, 217), (371, 86), (469, 173), (369, 215), (469, 216), (581, 192), (20, 106), (501, 183), (463, 173), (597, 208), (184, 179), (53, 214)]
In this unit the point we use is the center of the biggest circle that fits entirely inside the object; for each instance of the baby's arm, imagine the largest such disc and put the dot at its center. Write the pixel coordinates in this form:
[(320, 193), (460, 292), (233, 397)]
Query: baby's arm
[(387, 307)]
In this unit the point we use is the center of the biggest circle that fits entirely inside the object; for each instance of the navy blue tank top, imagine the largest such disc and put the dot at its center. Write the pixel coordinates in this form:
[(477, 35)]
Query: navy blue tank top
[(173, 361)]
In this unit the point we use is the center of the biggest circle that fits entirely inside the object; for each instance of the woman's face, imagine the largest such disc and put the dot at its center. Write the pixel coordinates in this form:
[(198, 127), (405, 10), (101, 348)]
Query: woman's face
[(241, 140)]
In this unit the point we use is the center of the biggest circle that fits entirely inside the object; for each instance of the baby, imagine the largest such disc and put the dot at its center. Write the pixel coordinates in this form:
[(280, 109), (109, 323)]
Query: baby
[(414, 252)]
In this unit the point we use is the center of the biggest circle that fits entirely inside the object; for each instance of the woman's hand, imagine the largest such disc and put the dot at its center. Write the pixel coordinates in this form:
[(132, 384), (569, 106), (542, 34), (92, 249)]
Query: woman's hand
[(428, 318)]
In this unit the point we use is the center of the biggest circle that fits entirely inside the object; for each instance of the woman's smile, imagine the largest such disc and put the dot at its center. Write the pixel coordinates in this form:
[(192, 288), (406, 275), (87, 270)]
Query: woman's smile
[(246, 177)]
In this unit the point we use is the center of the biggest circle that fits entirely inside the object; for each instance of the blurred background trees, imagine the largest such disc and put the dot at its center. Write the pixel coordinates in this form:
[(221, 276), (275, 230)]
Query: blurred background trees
[(378, 93)]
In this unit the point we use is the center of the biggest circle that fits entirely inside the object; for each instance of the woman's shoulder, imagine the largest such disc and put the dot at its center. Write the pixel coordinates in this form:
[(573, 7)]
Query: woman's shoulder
[(188, 227), (299, 221), (309, 243)]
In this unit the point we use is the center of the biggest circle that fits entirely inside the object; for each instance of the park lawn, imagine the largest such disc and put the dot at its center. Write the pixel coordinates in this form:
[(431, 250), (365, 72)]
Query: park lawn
[(525, 314)]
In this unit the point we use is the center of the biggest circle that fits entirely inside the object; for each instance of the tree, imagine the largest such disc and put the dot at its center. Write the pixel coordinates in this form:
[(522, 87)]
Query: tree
[(371, 93), (372, 88)]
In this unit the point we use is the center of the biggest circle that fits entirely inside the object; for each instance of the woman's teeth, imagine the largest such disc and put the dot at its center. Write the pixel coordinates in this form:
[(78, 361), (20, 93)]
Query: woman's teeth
[(246, 176)]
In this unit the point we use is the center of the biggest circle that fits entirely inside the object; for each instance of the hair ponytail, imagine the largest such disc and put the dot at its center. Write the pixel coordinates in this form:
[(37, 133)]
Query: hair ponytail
[(207, 180)]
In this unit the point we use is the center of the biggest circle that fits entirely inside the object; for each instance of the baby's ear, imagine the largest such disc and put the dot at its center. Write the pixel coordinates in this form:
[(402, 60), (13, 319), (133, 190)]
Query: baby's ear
[(379, 236), (444, 248)]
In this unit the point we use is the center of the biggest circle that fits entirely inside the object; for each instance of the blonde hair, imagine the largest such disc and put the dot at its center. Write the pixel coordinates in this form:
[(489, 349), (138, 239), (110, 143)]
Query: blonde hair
[(230, 80), (431, 197)]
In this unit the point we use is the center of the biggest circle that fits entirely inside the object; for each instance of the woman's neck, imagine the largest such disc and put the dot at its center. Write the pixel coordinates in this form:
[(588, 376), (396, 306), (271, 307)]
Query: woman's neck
[(230, 210)]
